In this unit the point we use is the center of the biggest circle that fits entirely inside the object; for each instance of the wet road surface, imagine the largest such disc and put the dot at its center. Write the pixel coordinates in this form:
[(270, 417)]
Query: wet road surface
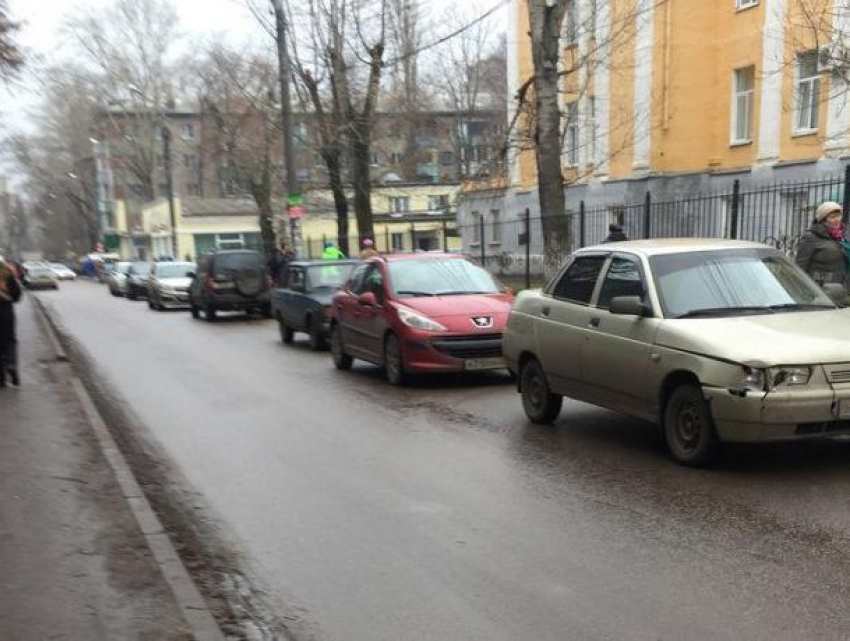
[(439, 512)]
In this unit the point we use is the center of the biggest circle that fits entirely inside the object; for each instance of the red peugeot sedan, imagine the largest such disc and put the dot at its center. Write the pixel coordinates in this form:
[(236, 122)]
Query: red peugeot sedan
[(416, 313)]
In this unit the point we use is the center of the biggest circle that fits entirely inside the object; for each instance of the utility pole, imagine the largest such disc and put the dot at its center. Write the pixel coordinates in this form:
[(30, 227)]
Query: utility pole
[(292, 190), (165, 131)]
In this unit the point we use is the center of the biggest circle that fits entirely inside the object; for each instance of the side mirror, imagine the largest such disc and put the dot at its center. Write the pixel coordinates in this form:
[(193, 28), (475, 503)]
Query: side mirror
[(837, 294), (367, 299), (628, 306)]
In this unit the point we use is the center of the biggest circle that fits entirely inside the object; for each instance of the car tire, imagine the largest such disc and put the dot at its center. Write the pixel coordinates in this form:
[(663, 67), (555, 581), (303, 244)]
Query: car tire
[(266, 310), (394, 361), (317, 337), (341, 360), (286, 332), (151, 305), (689, 428), (131, 293), (209, 313), (193, 309), (538, 401)]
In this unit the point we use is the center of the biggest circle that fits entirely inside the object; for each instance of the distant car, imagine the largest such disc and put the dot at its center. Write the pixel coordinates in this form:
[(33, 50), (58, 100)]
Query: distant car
[(40, 277), (230, 280), (429, 312), (168, 284), (116, 278), (137, 280), (62, 272), (716, 341), (303, 303)]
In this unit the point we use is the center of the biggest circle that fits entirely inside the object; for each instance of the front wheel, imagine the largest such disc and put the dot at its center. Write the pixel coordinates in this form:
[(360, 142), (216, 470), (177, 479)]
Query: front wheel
[(340, 358), (538, 401), (394, 361), (286, 332), (209, 312), (314, 332), (196, 313), (689, 428)]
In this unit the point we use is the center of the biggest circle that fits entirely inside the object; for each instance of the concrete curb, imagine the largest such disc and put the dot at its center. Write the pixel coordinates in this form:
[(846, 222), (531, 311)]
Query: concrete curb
[(47, 322), (189, 600)]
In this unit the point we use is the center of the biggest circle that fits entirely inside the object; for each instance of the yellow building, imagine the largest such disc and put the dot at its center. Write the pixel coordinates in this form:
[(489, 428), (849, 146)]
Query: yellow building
[(680, 97)]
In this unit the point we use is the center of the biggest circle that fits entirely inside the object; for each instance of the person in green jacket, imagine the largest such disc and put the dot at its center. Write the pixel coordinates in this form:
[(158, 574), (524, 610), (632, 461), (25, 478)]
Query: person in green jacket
[(332, 252)]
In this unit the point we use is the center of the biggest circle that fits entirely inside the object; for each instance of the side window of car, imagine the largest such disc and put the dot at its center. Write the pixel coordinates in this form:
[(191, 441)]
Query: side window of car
[(296, 279), (374, 282), (578, 282), (622, 279), (357, 276)]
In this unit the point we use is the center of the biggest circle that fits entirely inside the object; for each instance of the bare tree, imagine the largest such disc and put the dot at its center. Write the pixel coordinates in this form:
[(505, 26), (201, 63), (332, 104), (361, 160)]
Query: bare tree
[(11, 58)]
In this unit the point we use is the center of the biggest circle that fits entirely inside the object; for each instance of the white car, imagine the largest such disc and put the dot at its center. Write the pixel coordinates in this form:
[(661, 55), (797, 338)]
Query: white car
[(61, 271)]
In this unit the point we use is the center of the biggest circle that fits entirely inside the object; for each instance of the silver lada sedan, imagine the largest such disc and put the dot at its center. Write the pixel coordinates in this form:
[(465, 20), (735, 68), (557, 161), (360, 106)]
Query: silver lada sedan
[(718, 341)]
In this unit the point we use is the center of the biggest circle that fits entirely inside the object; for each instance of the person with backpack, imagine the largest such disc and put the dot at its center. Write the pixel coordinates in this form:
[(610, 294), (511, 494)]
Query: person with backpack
[(10, 293)]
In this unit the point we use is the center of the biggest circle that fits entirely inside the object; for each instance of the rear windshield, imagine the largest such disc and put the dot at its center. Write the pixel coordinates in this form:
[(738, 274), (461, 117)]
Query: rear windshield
[(228, 263)]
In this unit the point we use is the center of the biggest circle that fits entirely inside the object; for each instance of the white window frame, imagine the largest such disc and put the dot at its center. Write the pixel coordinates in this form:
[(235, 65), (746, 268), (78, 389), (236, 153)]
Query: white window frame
[(745, 4), (811, 84), (187, 130), (399, 204), (475, 217), (571, 135), (437, 202), (495, 227), (229, 241), (747, 94), (397, 241)]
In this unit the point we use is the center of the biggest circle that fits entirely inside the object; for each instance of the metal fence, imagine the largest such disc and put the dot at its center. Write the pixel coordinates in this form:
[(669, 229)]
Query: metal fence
[(396, 238), (776, 214)]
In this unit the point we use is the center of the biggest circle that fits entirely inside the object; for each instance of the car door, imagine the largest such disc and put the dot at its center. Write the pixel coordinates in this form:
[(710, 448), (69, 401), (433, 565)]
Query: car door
[(367, 324), (345, 307), (563, 319), (292, 295), (616, 366)]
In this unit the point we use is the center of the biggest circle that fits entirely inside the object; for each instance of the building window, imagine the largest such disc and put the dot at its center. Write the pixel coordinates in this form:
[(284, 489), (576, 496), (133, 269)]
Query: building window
[(399, 204), (571, 135), (229, 241), (193, 189), (187, 131), (475, 219), (742, 106), (447, 158), (745, 4), (808, 92), (495, 226), (395, 158), (190, 161), (163, 190), (438, 202), (374, 159), (397, 241)]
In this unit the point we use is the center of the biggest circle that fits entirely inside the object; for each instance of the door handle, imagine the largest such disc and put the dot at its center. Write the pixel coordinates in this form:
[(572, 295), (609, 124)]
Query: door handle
[(594, 322), (545, 311)]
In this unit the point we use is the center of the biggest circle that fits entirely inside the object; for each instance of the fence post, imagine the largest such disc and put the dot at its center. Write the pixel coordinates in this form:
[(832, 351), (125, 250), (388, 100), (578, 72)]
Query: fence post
[(483, 248), (445, 237), (647, 211), (527, 248), (736, 201), (413, 237), (582, 224), (846, 202), (387, 247)]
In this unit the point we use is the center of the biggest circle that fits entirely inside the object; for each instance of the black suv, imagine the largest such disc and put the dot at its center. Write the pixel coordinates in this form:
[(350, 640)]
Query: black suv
[(230, 280)]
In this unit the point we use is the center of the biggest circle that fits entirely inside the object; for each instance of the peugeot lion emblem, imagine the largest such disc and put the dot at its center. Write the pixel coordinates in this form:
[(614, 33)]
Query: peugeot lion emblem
[(482, 321)]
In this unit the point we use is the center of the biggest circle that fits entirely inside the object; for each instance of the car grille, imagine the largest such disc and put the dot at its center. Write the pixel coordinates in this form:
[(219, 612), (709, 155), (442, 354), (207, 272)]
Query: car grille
[(838, 374), (471, 346)]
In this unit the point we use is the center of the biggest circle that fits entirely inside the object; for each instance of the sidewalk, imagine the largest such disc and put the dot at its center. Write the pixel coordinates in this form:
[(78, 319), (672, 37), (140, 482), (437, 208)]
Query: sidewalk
[(73, 561)]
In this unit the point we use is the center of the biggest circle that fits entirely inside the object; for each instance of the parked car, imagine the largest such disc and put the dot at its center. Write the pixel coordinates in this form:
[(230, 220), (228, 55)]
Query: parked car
[(62, 272), (303, 303), (717, 341), (40, 277), (137, 280), (116, 278), (414, 313), (168, 284), (233, 279)]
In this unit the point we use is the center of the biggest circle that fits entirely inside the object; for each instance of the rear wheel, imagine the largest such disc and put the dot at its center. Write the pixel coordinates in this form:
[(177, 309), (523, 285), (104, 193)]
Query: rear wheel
[(317, 338), (266, 311), (538, 401), (394, 361), (689, 428), (196, 313), (286, 332), (341, 359), (209, 312)]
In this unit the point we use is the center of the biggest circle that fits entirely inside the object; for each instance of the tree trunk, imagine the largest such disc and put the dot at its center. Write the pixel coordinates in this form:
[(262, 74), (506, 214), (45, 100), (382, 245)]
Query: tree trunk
[(332, 161), (360, 144), (545, 45)]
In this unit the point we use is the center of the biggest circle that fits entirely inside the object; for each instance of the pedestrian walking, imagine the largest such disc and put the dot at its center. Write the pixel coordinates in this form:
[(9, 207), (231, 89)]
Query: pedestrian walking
[(615, 234), (332, 252), (278, 262), (10, 293), (368, 249), (823, 250)]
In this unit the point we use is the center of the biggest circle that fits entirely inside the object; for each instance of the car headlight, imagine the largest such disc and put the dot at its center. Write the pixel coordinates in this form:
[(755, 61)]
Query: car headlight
[(753, 378), (418, 321), (788, 376)]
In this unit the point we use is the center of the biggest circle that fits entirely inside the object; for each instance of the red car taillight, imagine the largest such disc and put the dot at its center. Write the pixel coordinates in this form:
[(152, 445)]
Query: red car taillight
[(209, 284)]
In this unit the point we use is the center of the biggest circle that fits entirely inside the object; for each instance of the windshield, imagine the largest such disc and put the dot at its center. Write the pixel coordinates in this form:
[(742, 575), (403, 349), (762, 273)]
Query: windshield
[(440, 277), (39, 271), (328, 276), (733, 282), (141, 268), (174, 270)]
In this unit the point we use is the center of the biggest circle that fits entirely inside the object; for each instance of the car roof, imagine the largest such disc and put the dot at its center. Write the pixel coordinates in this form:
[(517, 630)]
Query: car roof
[(318, 261), (658, 246)]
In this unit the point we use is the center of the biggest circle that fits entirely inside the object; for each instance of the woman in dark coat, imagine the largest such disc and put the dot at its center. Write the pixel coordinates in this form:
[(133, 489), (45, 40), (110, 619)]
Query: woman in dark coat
[(10, 293), (822, 252)]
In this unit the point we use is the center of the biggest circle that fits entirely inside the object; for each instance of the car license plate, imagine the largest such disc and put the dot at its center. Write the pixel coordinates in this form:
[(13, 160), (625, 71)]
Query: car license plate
[(485, 363)]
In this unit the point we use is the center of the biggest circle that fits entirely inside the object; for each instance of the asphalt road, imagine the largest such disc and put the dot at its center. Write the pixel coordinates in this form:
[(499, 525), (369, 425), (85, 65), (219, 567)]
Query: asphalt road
[(439, 512)]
